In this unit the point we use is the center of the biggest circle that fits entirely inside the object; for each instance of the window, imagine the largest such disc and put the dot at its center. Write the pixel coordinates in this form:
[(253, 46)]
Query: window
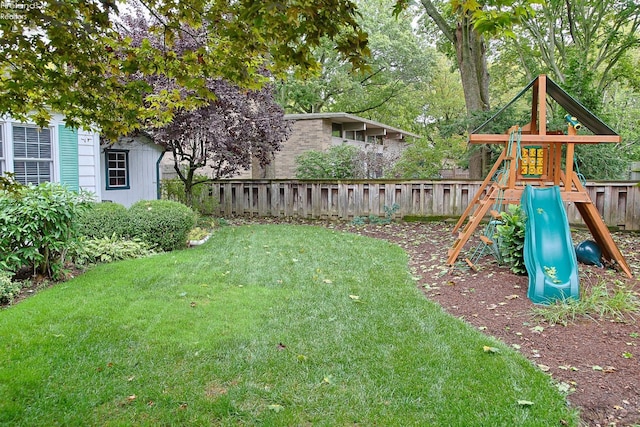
[(355, 135), (336, 130), (117, 169), (32, 159)]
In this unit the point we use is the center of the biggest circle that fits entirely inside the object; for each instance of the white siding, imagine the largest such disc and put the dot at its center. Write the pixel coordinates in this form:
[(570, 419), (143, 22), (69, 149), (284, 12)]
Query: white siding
[(89, 162), (88, 152), (143, 173)]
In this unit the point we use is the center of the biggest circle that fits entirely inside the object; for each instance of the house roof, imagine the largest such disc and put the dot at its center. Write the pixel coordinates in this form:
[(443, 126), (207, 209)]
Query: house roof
[(349, 118), (566, 101)]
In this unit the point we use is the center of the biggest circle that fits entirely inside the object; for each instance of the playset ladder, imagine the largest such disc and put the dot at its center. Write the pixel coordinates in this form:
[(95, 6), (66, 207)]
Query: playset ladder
[(495, 183)]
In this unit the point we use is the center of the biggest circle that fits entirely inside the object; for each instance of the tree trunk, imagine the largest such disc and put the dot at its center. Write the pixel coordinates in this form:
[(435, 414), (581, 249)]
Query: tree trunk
[(472, 62), (474, 75)]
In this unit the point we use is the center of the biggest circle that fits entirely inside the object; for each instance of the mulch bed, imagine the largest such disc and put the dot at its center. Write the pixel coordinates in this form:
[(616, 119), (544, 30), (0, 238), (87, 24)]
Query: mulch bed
[(596, 360)]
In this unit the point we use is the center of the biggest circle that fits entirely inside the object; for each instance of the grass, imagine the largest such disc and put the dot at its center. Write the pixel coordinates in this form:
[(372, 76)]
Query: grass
[(597, 302), (262, 325)]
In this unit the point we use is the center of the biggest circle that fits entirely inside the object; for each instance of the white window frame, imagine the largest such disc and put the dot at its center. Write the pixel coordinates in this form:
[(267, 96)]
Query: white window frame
[(38, 160)]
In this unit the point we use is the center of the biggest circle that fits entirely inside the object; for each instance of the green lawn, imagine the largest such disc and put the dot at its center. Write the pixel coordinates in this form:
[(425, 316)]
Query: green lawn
[(262, 325)]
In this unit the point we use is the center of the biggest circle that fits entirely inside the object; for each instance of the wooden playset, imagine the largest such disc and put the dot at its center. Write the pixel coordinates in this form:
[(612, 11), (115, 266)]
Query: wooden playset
[(539, 157)]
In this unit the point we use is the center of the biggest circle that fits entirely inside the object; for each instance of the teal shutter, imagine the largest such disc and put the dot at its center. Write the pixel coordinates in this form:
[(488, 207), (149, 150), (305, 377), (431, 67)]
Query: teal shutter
[(68, 155)]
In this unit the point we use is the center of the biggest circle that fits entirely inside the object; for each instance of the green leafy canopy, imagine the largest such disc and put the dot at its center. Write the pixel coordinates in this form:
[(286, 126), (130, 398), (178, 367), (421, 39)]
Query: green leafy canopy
[(67, 56)]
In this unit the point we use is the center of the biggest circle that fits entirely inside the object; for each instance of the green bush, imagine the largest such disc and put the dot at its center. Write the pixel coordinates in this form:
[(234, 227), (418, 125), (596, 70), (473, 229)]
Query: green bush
[(203, 202), (162, 223), (38, 224), (511, 238), (8, 289), (104, 220), (109, 249), (338, 162)]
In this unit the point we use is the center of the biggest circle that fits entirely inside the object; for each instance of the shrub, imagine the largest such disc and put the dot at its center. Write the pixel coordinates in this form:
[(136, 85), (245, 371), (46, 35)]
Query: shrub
[(104, 220), (8, 289), (109, 249), (338, 162), (511, 238), (203, 202), (162, 223), (38, 226)]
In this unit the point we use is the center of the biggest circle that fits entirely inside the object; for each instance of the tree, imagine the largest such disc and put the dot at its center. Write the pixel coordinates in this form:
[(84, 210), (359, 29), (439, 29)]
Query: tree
[(581, 44), (590, 48), (68, 57), (226, 135), (465, 24), (391, 90), (233, 129)]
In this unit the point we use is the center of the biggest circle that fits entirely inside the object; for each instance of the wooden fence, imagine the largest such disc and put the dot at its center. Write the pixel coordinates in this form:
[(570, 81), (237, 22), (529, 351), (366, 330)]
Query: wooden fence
[(618, 202)]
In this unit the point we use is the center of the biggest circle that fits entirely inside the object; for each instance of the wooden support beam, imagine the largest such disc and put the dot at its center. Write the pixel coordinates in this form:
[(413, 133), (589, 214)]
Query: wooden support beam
[(470, 228), (483, 186), (578, 139), (542, 105)]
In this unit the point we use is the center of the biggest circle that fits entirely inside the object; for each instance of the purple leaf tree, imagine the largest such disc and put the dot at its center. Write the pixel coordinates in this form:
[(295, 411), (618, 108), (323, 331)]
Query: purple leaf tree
[(222, 134)]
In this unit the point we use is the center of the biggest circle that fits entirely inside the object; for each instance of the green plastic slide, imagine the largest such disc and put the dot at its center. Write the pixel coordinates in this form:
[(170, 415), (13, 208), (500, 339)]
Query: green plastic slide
[(548, 249)]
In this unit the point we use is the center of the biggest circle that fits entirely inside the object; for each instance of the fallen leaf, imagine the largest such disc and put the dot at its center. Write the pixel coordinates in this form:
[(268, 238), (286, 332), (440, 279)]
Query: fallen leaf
[(276, 408), (596, 368), (328, 281), (354, 297), (328, 379), (488, 349), (131, 398), (543, 368), (281, 346), (525, 403), (514, 296)]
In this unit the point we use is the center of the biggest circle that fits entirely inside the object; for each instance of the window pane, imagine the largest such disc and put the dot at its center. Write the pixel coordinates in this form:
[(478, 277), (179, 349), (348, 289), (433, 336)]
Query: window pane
[(32, 172), (19, 134), (31, 142)]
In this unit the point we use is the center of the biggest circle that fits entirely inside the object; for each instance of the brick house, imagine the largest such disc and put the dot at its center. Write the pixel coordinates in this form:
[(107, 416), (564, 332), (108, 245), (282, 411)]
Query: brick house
[(320, 131)]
